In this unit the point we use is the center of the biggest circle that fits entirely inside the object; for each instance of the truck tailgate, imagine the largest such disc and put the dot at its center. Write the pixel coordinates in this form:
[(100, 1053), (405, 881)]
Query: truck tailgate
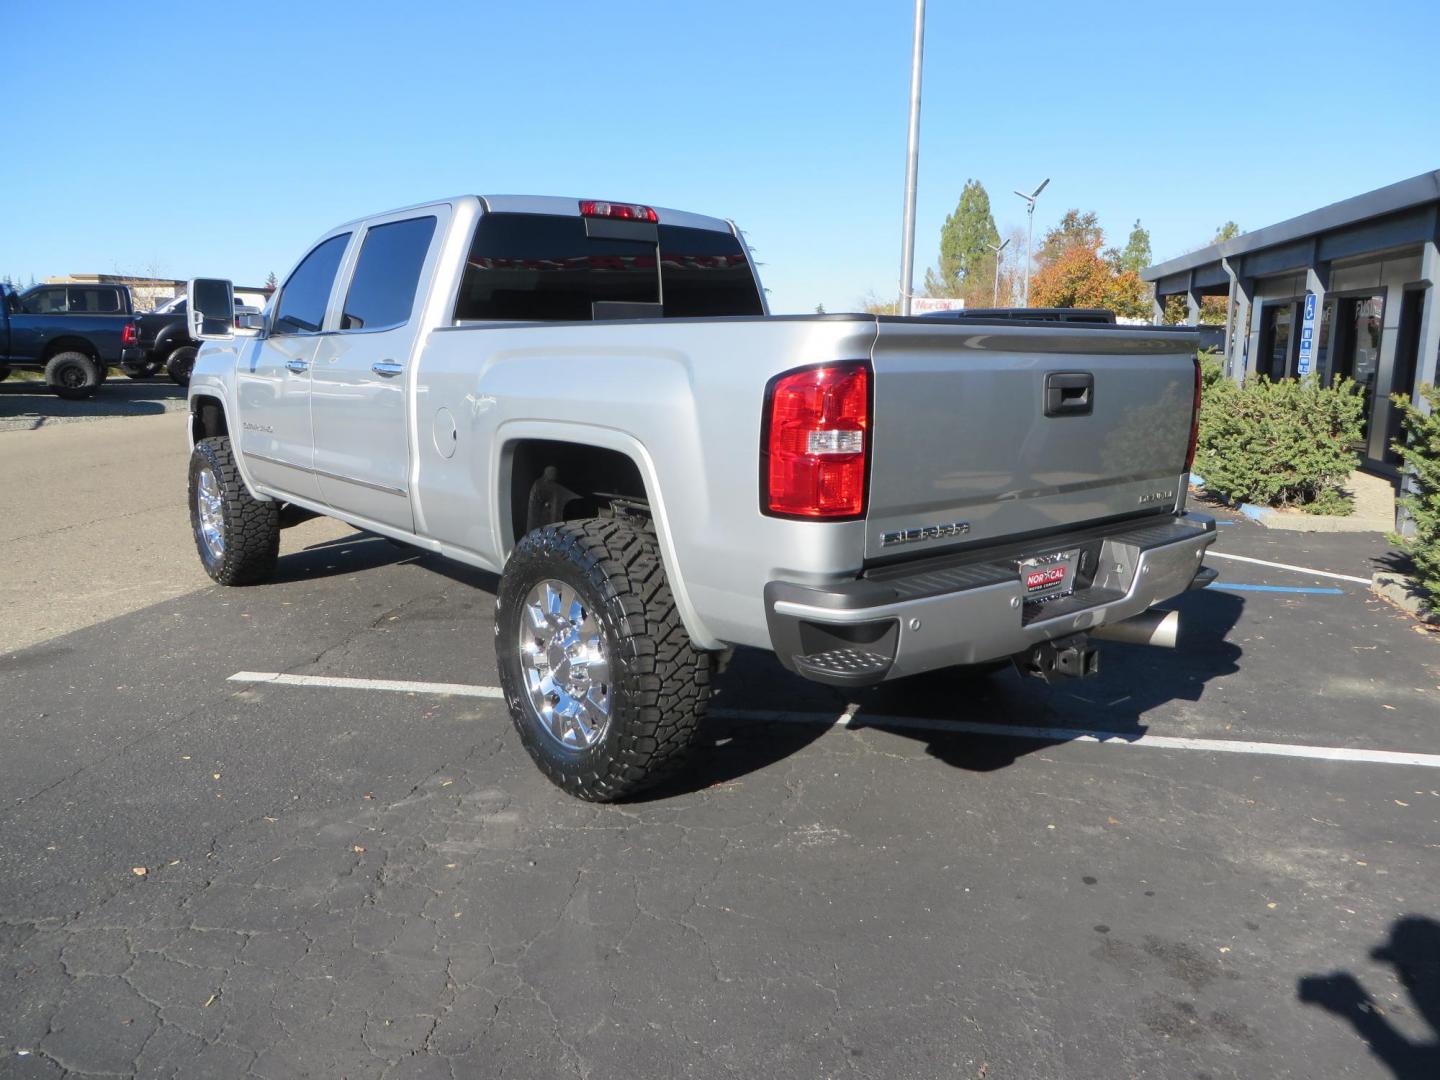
[(964, 451)]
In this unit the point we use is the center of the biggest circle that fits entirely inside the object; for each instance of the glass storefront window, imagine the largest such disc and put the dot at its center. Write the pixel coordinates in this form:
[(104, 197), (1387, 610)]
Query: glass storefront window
[(1357, 346)]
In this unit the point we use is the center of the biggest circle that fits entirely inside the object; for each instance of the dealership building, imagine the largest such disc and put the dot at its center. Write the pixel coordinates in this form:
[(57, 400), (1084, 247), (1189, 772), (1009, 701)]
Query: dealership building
[(1351, 289)]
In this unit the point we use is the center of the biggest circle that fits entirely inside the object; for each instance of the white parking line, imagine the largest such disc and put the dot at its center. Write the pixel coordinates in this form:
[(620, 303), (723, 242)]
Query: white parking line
[(401, 686), (853, 718), (1105, 738), (1286, 566)]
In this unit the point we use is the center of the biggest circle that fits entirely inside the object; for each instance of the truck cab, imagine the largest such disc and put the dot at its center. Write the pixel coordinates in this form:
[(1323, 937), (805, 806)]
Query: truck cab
[(71, 332)]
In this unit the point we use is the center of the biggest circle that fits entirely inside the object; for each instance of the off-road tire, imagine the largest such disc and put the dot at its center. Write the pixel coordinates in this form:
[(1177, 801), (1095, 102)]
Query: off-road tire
[(72, 375), (180, 363), (660, 682), (251, 528)]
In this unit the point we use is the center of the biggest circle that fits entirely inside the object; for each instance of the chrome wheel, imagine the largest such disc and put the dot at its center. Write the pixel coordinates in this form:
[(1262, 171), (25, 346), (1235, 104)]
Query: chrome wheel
[(565, 665), (211, 508)]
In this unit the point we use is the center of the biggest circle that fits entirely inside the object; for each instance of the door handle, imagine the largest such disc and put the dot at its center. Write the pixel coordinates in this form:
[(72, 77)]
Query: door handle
[(297, 366), (1069, 393), (387, 368)]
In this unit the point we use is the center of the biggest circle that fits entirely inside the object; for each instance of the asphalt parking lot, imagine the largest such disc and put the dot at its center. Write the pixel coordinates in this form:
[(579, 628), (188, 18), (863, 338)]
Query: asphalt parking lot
[(355, 871), (27, 404)]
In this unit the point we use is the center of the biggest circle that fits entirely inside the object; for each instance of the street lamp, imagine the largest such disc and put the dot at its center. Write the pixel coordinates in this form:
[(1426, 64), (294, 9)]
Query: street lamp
[(1030, 234), (995, 300), (912, 164)]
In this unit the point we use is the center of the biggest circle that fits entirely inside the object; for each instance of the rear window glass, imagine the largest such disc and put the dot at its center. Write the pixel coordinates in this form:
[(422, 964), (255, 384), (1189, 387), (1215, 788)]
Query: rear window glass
[(543, 268), (705, 273), (537, 267)]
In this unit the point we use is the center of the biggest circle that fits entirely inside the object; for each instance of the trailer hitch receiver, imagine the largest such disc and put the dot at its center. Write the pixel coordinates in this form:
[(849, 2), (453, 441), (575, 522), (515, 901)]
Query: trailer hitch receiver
[(1070, 657)]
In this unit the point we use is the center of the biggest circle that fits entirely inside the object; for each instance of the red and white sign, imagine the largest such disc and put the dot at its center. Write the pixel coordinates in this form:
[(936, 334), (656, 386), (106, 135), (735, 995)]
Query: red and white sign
[(1043, 578), (922, 305)]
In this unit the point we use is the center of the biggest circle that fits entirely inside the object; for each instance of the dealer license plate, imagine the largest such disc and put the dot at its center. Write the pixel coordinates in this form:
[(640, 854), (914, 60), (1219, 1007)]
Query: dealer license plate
[(1046, 577)]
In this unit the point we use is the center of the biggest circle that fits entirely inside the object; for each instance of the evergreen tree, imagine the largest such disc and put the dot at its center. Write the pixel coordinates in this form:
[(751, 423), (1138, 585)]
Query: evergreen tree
[(963, 241), (1228, 231), (1136, 255), (271, 282)]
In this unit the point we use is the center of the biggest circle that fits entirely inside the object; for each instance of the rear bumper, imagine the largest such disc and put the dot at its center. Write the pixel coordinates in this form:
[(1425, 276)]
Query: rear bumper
[(132, 354), (895, 623)]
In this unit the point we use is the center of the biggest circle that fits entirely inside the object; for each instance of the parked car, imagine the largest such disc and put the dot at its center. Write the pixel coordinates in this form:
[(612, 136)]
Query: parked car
[(73, 333), (165, 342), (591, 400)]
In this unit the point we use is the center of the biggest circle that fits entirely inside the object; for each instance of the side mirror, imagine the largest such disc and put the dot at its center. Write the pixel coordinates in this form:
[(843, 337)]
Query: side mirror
[(211, 314)]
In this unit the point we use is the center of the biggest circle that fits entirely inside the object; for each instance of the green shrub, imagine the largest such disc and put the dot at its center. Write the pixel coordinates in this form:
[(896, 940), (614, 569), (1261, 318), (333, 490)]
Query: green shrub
[(1212, 369), (1421, 451), (1286, 443)]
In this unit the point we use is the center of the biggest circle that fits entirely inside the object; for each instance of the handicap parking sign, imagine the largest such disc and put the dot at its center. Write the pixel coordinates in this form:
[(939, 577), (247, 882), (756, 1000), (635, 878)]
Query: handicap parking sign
[(1310, 307)]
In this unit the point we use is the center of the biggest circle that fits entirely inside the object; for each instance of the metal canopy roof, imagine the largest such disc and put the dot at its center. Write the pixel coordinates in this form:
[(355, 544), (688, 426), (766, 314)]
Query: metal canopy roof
[(1393, 216)]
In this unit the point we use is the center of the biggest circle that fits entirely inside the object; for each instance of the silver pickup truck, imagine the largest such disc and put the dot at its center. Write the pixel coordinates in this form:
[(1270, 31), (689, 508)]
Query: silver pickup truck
[(591, 399)]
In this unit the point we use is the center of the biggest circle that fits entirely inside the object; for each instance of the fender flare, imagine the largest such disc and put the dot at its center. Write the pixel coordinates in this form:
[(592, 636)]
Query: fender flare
[(209, 386), (609, 439), (170, 338)]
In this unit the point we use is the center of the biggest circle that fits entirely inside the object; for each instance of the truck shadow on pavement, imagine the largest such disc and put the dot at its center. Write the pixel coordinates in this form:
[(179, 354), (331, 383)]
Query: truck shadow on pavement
[(1134, 680), (28, 400), (761, 714), (1413, 951)]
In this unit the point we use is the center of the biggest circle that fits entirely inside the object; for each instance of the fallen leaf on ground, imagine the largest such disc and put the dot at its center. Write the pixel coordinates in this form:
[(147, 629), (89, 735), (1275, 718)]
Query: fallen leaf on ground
[(358, 850), (139, 871)]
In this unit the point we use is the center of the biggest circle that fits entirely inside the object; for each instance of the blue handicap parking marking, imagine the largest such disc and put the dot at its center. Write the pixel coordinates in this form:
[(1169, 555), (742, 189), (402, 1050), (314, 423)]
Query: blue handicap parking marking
[(1306, 590)]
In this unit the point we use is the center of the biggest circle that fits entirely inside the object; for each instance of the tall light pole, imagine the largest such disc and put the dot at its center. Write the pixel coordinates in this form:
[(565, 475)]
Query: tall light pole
[(912, 164), (1030, 235), (995, 300)]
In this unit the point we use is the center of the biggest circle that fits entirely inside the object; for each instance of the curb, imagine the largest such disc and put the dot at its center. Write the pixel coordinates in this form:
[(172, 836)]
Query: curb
[(1402, 592)]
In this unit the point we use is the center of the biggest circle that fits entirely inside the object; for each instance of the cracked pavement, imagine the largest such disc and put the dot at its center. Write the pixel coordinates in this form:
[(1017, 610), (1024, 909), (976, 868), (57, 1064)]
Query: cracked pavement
[(342, 883)]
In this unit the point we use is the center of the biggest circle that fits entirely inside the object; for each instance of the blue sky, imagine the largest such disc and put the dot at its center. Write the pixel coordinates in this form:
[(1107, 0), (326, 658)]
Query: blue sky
[(220, 139)]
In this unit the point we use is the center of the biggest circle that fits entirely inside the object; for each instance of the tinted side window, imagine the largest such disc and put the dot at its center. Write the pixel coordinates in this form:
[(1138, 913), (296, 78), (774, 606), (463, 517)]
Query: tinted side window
[(382, 289), (44, 302), (94, 301), (705, 273), (303, 300), (539, 267)]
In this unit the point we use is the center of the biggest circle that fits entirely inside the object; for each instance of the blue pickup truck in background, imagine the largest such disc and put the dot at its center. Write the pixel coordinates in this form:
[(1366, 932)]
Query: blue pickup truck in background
[(73, 333)]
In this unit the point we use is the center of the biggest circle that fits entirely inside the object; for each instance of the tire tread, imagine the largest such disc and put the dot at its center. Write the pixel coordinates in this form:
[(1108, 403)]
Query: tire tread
[(662, 680), (252, 527)]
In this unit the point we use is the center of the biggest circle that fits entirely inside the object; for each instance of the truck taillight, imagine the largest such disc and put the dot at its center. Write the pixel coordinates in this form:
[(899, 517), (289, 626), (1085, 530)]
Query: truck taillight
[(813, 447), (1194, 420), (623, 211), (129, 334)]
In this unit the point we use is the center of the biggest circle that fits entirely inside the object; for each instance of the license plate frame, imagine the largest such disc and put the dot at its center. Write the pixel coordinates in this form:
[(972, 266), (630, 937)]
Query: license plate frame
[(1050, 576)]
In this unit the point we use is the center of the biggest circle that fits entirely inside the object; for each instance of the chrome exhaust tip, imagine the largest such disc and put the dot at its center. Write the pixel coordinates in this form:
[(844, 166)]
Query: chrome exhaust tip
[(1159, 628)]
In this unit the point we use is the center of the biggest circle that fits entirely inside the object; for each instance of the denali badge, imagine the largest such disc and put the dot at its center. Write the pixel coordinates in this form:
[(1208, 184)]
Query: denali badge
[(924, 532), (1157, 496)]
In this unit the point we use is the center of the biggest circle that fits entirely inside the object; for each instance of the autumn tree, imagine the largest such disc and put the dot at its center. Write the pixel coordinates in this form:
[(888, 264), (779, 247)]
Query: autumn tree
[(1075, 230), (1228, 231), (1079, 277)]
